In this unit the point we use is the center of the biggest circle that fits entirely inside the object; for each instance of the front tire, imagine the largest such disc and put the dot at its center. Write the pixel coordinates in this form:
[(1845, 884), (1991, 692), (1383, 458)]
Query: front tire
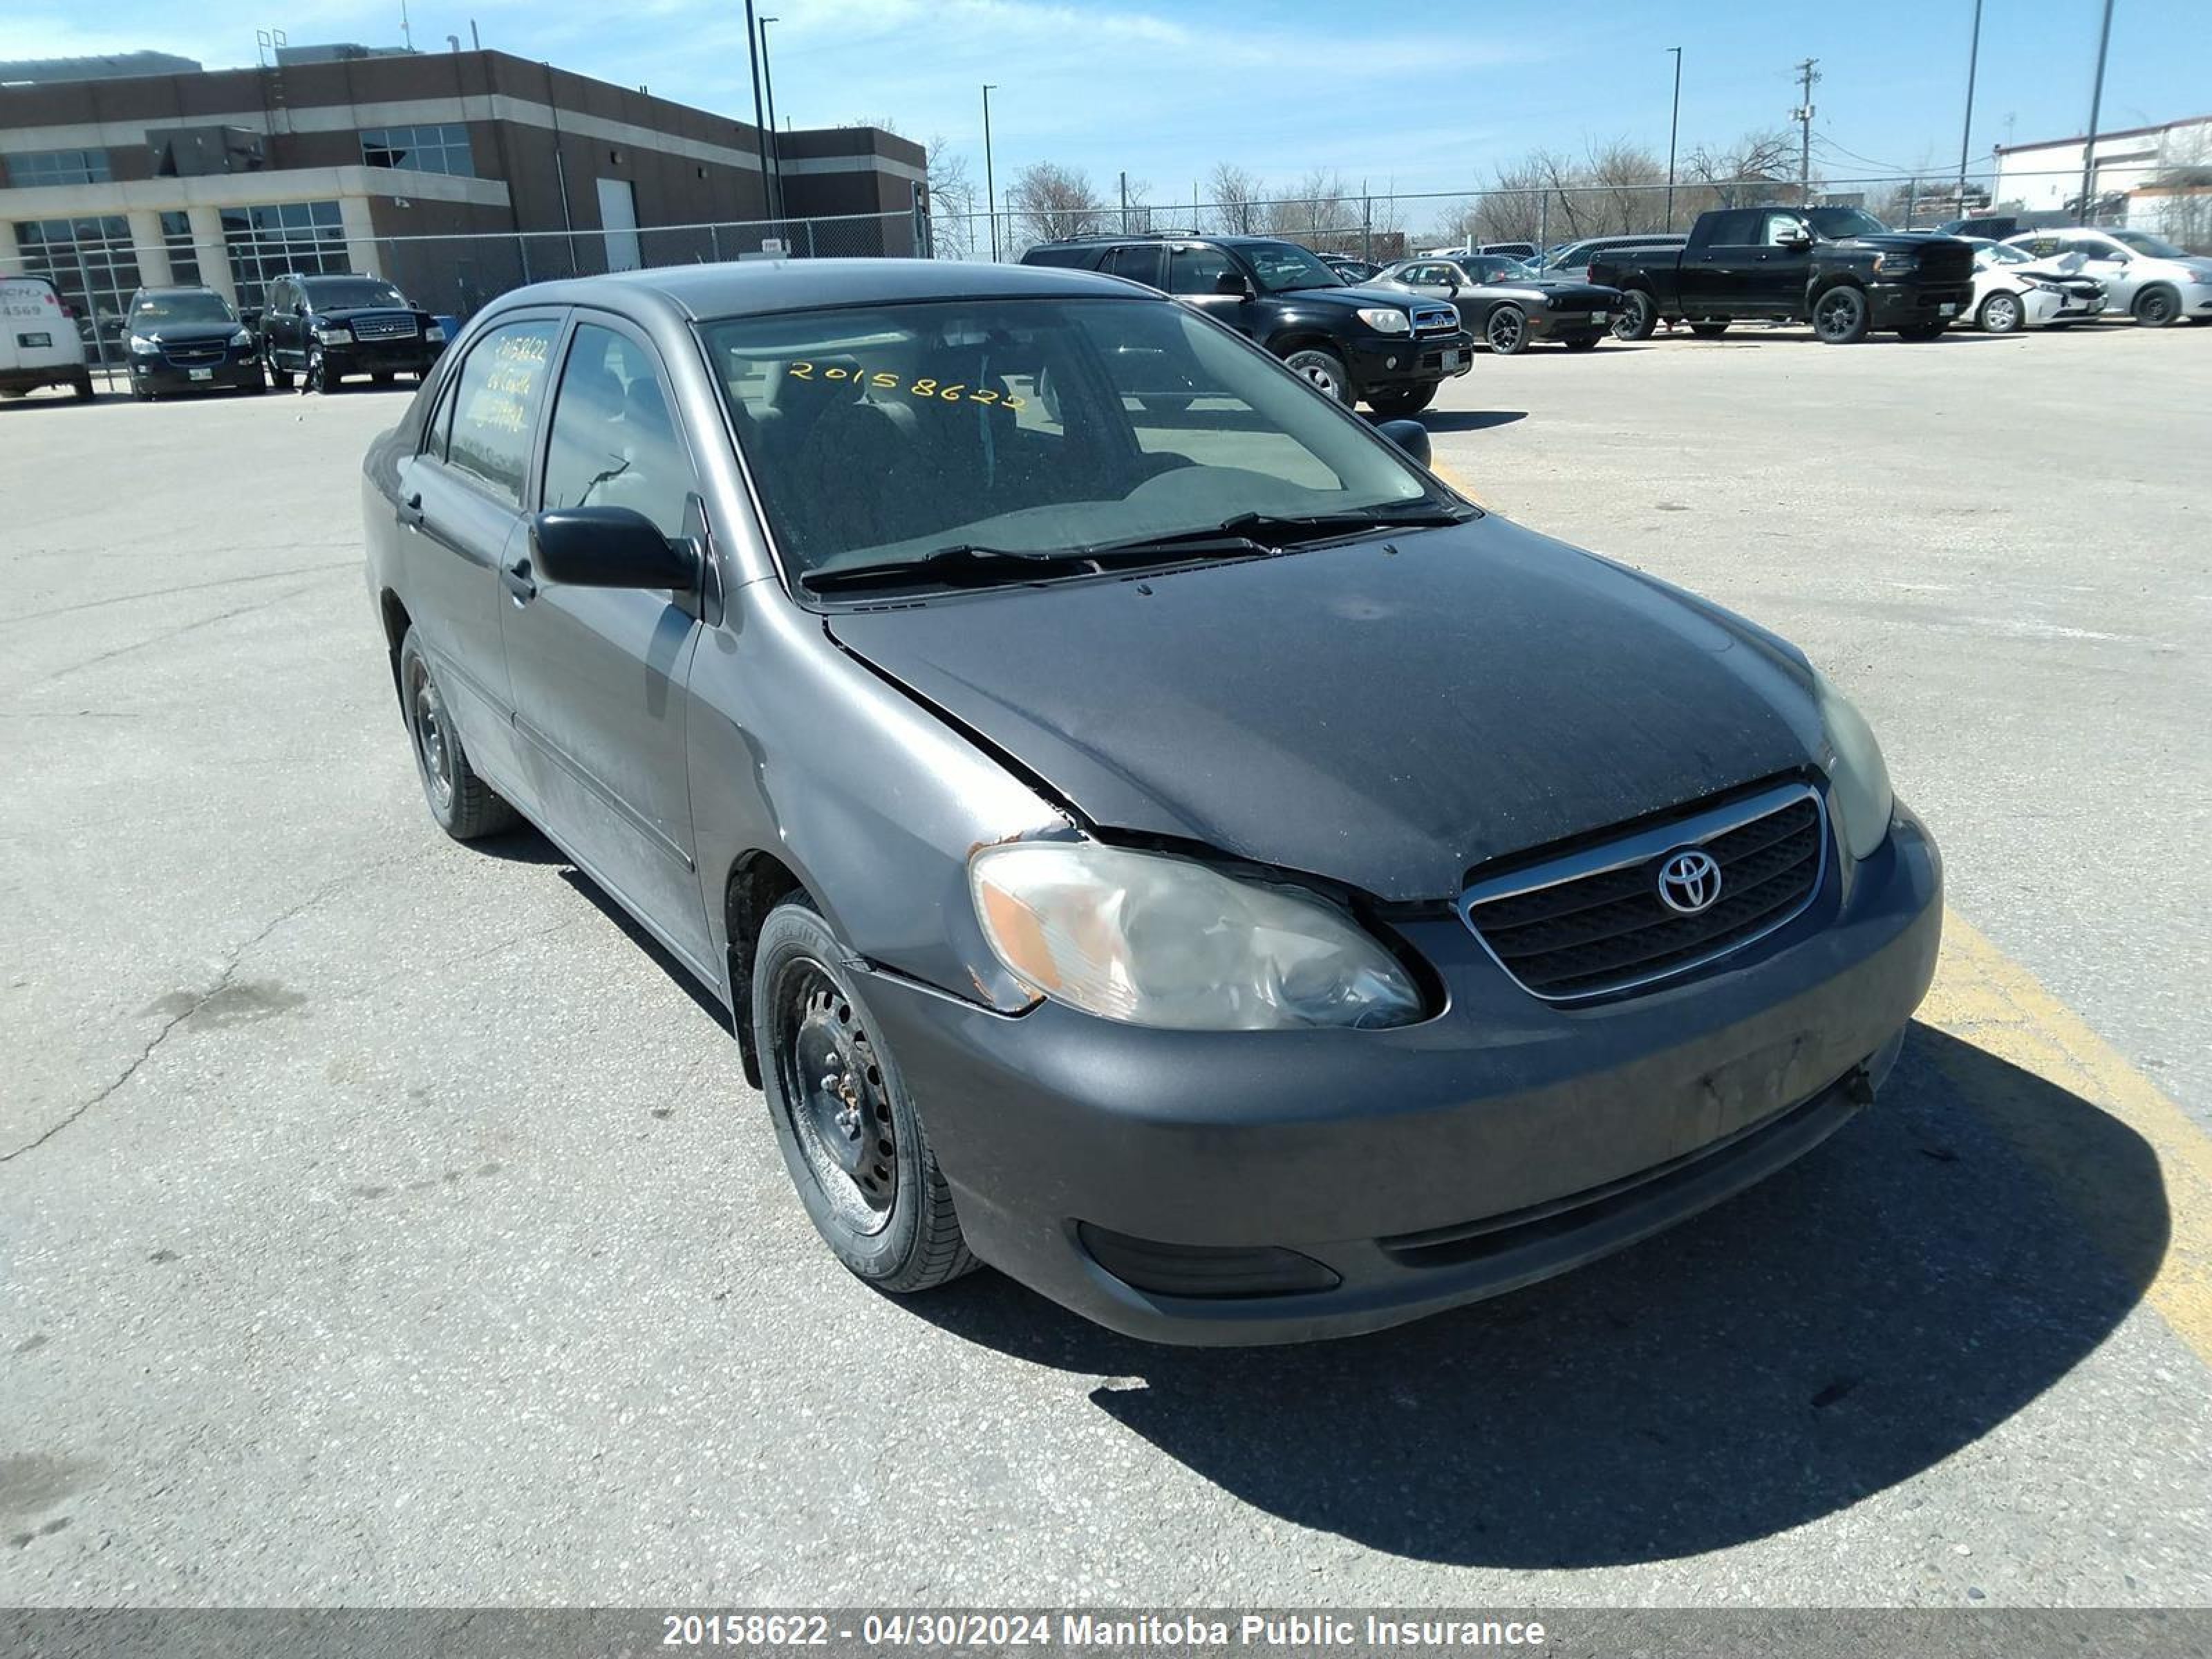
[(1506, 331), (2157, 308), (319, 373), (1323, 370), (848, 1130), (1920, 333), (1637, 318), (1840, 316), (1585, 343), (464, 804), (1397, 405), (2001, 313)]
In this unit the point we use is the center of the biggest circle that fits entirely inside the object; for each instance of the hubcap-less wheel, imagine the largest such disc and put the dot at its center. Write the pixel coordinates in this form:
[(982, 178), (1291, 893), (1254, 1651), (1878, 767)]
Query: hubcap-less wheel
[(1506, 330), (2000, 314), (1839, 315), (2155, 309), (833, 1092), (433, 745)]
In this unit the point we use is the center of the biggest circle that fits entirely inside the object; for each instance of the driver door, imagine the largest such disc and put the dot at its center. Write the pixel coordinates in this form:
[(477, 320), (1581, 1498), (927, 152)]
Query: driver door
[(2109, 265), (1202, 276)]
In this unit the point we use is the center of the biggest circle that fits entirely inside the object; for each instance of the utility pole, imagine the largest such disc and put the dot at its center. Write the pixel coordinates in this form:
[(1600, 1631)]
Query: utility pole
[(1802, 115), (1674, 128), (759, 138), (1125, 202), (2096, 108), (1967, 135), (775, 149), (990, 190)]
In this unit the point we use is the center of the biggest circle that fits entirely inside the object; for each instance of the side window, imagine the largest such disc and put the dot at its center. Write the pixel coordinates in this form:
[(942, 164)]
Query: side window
[(1735, 228), (1138, 262), (2093, 248), (1197, 269), (1781, 228), (613, 441), (496, 397)]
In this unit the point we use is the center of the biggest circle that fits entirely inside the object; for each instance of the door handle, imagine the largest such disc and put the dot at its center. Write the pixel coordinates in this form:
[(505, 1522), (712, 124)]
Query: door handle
[(515, 578), (410, 510)]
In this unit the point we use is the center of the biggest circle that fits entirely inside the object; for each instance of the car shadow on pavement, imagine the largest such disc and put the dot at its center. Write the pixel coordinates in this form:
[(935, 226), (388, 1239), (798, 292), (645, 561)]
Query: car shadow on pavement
[(1470, 420), (1862, 1315)]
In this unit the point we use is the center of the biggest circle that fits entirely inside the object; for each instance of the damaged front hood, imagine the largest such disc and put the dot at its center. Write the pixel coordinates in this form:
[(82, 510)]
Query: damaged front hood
[(1388, 718)]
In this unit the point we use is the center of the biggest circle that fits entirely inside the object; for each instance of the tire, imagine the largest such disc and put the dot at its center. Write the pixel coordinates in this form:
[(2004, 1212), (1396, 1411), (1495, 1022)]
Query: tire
[(1840, 316), (318, 377), (1708, 331), (1505, 330), (1323, 370), (2001, 313), (1585, 343), (850, 1133), (82, 386), (1921, 333), (464, 804), (257, 385), (280, 376), (1397, 405), (1636, 316), (2157, 308)]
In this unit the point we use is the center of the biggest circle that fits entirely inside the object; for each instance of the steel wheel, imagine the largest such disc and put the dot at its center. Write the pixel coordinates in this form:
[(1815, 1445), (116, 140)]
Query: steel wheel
[(834, 1098), (434, 741), (2001, 313), (2156, 308), (1839, 316), (1507, 330)]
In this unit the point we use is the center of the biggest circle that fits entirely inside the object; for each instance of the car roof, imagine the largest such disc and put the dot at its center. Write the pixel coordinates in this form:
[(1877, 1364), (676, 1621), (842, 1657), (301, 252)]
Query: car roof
[(699, 293), (175, 288)]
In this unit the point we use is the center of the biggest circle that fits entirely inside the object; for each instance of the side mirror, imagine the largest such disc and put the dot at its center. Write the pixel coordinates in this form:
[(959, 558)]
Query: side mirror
[(249, 317), (1232, 282), (1409, 435), (1797, 243), (609, 547)]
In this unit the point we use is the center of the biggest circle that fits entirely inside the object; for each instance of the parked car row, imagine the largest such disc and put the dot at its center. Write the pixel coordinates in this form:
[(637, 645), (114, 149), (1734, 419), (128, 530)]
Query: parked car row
[(317, 329)]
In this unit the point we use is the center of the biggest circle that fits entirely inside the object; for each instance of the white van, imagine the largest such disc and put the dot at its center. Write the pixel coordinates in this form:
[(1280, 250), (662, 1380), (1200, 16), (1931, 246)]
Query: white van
[(39, 344)]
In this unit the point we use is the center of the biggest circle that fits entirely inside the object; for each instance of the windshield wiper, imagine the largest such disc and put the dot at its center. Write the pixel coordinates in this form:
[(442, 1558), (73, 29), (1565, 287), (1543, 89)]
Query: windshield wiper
[(1272, 532), (967, 566)]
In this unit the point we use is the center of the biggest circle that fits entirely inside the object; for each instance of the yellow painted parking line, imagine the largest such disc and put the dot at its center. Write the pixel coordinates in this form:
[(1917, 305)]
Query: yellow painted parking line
[(1984, 998), (1459, 483)]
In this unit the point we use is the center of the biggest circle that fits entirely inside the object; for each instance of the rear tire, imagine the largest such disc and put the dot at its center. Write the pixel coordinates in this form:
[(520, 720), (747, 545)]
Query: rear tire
[(850, 1133), (82, 386), (1397, 405), (1637, 318), (464, 804), (1585, 343), (1708, 331), (1323, 370), (1840, 316), (2001, 313), (2157, 308)]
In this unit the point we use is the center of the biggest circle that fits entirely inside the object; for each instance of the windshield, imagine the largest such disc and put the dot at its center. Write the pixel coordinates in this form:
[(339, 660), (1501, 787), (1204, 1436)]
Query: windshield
[(157, 309), (1282, 266), (2142, 243), (1996, 254), (347, 293), (1839, 224), (884, 434), (1495, 268)]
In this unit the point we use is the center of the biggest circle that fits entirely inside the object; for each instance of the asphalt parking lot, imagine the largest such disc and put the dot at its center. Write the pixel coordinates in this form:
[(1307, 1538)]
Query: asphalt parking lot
[(384, 1223)]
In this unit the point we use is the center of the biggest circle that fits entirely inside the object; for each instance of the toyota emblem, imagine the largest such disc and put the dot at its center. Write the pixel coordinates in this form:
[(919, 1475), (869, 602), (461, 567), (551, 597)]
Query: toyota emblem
[(1689, 881)]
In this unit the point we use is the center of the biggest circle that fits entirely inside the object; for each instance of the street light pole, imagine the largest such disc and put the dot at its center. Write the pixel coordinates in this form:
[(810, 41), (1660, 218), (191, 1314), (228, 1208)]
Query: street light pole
[(1966, 135), (760, 140), (1675, 127), (990, 188), (774, 144), (2096, 108)]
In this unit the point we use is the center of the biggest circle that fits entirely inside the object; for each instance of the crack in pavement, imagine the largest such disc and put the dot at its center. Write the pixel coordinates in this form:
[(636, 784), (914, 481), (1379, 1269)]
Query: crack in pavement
[(182, 587), (157, 639), (223, 982)]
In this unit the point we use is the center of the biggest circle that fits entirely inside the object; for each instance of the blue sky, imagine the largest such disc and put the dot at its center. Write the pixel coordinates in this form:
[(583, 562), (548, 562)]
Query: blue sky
[(1417, 98)]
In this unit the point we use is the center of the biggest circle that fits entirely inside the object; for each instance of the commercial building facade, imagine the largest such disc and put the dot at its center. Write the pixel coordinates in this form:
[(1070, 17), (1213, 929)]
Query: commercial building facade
[(2155, 179), (458, 174)]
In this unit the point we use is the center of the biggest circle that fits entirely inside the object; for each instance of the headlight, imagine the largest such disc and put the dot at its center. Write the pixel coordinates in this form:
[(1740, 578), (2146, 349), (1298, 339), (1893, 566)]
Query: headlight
[(1386, 319), (1858, 782), (434, 332), (333, 333), (1154, 940), (1895, 265), (241, 338), (141, 342)]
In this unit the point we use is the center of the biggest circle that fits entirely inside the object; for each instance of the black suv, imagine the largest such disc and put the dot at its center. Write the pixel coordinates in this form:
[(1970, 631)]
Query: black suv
[(188, 339), (323, 328), (1374, 346)]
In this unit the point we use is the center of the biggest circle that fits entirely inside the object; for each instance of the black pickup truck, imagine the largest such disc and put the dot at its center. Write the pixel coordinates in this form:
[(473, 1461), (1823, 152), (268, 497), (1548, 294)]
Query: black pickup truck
[(1839, 269)]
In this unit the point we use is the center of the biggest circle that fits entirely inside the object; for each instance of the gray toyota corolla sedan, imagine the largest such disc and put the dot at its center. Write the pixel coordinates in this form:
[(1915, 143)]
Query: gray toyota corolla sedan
[(1175, 851)]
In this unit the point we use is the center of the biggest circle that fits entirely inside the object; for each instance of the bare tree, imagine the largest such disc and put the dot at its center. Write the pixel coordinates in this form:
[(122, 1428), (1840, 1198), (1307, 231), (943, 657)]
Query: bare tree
[(1049, 201), (1744, 173), (1315, 212), (1236, 196), (952, 205)]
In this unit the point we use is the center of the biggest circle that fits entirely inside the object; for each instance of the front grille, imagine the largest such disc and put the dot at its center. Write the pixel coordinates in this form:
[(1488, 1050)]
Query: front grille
[(385, 328), (1435, 320), (1592, 923), (195, 356), (1946, 262)]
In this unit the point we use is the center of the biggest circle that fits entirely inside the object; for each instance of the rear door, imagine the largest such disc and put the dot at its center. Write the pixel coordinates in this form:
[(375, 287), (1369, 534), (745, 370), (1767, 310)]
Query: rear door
[(1718, 278), (459, 510), (599, 673), (1141, 261)]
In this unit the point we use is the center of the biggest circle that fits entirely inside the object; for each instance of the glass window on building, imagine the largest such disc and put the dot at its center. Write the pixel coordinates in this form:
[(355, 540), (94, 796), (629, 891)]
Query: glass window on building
[(57, 167), (443, 148), (266, 241), (184, 253), (92, 263)]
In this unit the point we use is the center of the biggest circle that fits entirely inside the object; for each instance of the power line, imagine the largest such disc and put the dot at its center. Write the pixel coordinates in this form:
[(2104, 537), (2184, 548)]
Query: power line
[(1822, 138)]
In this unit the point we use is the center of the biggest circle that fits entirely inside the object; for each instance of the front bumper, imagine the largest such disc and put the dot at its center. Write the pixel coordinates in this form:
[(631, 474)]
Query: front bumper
[(1905, 305), (1569, 325), (1390, 361), (233, 371), (1496, 1145), (413, 356)]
